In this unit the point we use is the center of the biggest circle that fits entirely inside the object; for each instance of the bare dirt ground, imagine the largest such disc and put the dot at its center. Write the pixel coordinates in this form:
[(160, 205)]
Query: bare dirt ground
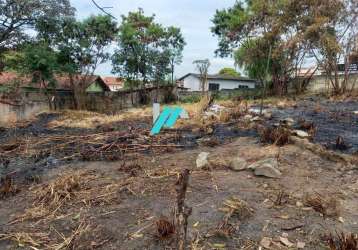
[(73, 193)]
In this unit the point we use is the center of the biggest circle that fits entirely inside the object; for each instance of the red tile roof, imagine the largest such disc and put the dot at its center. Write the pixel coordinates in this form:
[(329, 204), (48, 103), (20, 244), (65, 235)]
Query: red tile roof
[(113, 81), (63, 81)]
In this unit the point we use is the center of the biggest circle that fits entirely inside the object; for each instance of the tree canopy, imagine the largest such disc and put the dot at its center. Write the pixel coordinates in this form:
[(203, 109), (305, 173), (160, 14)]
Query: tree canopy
[(146, 51), (229, 71), (291, 29), (17, 15)]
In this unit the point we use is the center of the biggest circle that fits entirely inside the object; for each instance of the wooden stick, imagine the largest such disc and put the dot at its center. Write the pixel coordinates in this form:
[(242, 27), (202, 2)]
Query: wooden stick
[(183, 211)]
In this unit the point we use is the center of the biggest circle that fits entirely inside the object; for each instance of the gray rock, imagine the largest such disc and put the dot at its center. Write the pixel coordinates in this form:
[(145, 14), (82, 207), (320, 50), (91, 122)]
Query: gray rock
[(267, 168), (248, 117), (301, 133), (268, 115), (256, 119), (238, 164), (287, 121), (202, 160), (268, 171)]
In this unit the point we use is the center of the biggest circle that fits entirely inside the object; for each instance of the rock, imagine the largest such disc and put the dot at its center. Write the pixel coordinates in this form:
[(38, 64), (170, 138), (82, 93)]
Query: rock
[(286, 242), (340, 219), (299, 204), (202, 160), (271, 161), (301, 245), (301, 133), (247, 117), (267, 168), (255, 119), (267, 171), (238, 164), (266, 242), (267, 115), (287, 121)]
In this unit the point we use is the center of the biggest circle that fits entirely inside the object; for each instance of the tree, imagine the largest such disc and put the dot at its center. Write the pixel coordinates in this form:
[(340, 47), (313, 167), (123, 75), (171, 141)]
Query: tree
[(229, 71), (175, 44), (203, 67), (146, 51), (82, 46), (259, 25), (332, 31), (294, 30), (18, 15), (40, 62)]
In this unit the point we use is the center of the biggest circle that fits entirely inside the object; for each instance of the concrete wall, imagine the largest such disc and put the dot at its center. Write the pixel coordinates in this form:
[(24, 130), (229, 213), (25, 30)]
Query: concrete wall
[(321, 83), (112, 102), (11, 113), (32, 102), (193, 83)]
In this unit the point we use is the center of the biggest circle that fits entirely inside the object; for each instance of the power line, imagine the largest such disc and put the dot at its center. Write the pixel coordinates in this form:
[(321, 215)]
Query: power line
[(103, 9)]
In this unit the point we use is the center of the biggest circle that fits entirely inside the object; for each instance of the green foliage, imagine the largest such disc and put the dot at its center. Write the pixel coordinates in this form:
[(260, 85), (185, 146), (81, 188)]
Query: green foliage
[(253, 56), (291, 29), (81, 45), (37, 60), (18, 16), (146, 51), (192, 98), (229, 71)]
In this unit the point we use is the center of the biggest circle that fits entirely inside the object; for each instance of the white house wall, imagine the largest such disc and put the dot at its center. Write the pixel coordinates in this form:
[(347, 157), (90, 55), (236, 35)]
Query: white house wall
[(192, 83), (232, 84)]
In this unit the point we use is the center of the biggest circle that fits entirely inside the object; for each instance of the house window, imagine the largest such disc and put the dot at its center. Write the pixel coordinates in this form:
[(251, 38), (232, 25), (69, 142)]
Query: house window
[(243, 87), (214, 86)]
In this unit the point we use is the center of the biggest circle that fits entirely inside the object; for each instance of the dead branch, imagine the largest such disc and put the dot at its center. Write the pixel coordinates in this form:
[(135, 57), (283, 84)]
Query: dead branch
[(183, 212)]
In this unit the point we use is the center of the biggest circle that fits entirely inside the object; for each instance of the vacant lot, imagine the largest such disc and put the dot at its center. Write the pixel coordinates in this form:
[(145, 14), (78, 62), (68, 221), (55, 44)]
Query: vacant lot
[(80, 180)]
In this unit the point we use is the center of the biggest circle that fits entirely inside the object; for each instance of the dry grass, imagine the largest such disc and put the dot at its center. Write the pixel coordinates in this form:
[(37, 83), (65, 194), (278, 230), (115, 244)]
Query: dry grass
[(54, 241), (70, 190), (34, 240), (165, 229), (327, 206), (87, 119), (279, 136), (224, 229), (236, 207), (343, 242), (7, 187)]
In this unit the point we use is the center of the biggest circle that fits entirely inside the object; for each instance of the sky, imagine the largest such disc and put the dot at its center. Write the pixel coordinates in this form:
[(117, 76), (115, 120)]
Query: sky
[(192, 16)]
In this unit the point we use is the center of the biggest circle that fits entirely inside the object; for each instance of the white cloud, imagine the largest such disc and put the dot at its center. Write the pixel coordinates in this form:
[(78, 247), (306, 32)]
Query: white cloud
[(192, 16)]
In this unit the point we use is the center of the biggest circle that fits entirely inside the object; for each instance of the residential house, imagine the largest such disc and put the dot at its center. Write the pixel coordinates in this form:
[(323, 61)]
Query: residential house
[(192, 82), (114, 83), (63, 83)]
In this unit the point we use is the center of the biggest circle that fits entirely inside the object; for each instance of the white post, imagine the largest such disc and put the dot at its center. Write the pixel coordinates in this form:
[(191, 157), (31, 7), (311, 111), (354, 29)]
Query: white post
[(156, 111)]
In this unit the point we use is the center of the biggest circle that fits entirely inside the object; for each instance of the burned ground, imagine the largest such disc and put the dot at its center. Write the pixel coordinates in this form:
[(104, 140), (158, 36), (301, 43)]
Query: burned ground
[(104, 203)]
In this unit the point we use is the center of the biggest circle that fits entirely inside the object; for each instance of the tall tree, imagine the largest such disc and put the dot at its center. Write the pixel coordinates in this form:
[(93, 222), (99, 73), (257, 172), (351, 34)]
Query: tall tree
[(39, 61), (146, 51), (294, 30), (82, 46), (18, 15), (174, 46), (332, 31), (203, 68), (259, 25)]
